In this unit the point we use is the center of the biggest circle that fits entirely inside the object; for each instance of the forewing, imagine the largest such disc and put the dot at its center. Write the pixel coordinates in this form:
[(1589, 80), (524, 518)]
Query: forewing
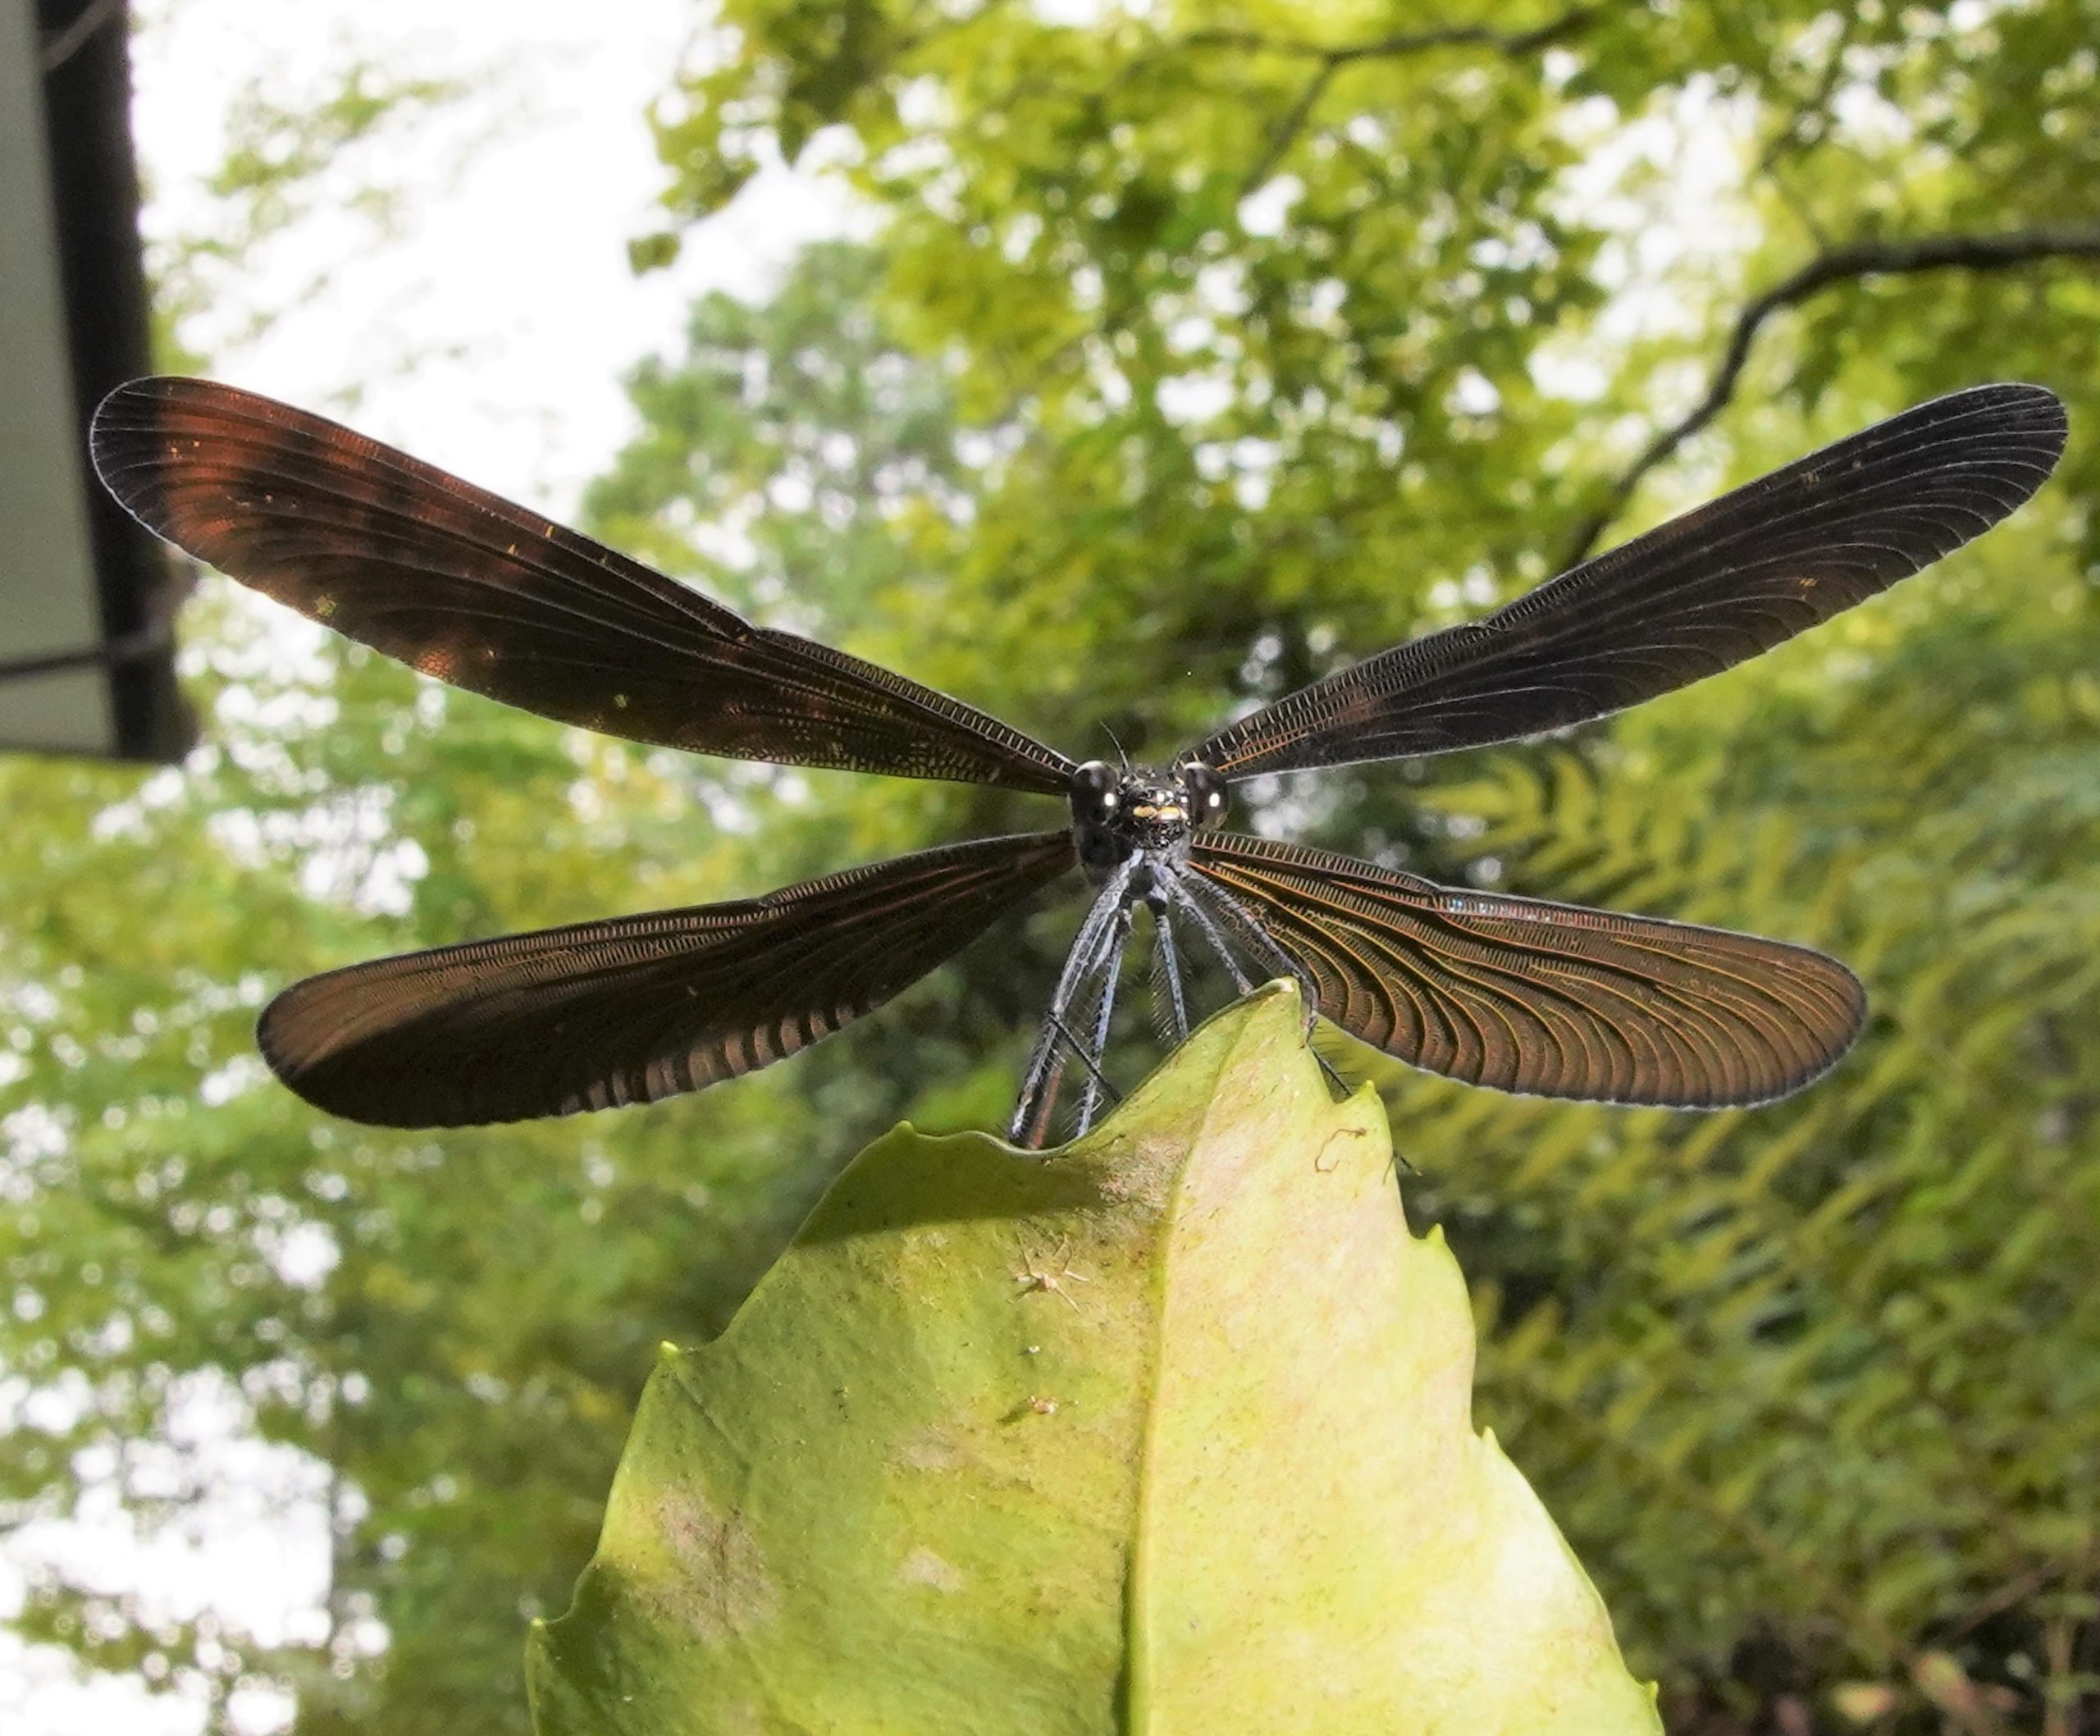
[(475, 591), (640, 1007), (1691, 598), (1552, 1000)]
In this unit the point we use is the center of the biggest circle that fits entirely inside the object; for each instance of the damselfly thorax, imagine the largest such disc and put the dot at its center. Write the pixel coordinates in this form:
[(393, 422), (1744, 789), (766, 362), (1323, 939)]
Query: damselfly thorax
[(1131, 830)]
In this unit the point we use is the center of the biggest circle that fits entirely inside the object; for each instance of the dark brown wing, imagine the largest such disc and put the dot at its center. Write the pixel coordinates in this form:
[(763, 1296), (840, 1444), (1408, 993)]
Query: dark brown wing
[(472, 590), (639, 1008), (1550, 999), (1689, 599)]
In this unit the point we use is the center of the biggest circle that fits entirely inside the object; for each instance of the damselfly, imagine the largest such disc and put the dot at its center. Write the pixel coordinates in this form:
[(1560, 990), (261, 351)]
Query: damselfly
[(1514, 992)]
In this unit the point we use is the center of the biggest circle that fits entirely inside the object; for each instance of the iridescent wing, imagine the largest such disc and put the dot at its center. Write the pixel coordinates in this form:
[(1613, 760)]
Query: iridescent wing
[(1689, 599), (1549, 999), (639, 1008), (474, 591)]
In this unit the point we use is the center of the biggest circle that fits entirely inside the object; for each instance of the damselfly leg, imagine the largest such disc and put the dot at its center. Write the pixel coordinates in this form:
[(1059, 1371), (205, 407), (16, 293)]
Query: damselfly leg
[(1227, 916), (1170, 1006), (1046, 1062), (1111, 969), (1093, 967)]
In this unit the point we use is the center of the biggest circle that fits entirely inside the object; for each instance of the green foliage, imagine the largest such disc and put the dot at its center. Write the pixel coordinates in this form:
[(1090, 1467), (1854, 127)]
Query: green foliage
[(1199, 351), (1791, 1337), (455, 1329), (1169, 1432)]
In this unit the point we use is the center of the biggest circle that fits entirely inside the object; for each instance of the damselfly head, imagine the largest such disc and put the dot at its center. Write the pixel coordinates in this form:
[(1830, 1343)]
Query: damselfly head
[(1116, 814)]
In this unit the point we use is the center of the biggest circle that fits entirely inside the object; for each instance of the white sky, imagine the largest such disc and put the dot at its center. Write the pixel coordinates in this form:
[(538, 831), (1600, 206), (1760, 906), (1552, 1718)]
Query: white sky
[(490, 338)]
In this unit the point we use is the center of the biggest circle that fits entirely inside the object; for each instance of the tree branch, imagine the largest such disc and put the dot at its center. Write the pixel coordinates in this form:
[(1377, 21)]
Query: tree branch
[(1515, 45), (1330, 57), (1849, 263), (1285, 133), (1816, 103)]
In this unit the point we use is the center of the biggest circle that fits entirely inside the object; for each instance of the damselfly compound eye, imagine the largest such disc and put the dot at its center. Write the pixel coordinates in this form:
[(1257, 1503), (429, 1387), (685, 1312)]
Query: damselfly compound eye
[(1208, 800), (1097, 790)]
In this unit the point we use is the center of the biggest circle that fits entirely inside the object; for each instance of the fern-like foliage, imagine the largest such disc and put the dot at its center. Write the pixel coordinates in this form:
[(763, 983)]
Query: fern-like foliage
[(1831, 1367)]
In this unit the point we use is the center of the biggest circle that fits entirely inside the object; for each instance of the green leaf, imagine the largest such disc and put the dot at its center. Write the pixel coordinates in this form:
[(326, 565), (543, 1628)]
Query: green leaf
[(1168, 1432)]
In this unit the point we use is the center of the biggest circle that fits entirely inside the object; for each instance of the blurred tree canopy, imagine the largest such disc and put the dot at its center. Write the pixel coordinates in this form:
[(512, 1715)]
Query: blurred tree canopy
[(1200, 348)]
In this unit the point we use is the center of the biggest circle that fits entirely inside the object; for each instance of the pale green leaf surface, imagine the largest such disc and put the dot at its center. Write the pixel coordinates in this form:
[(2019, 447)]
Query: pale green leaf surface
[(1170, 1432)]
